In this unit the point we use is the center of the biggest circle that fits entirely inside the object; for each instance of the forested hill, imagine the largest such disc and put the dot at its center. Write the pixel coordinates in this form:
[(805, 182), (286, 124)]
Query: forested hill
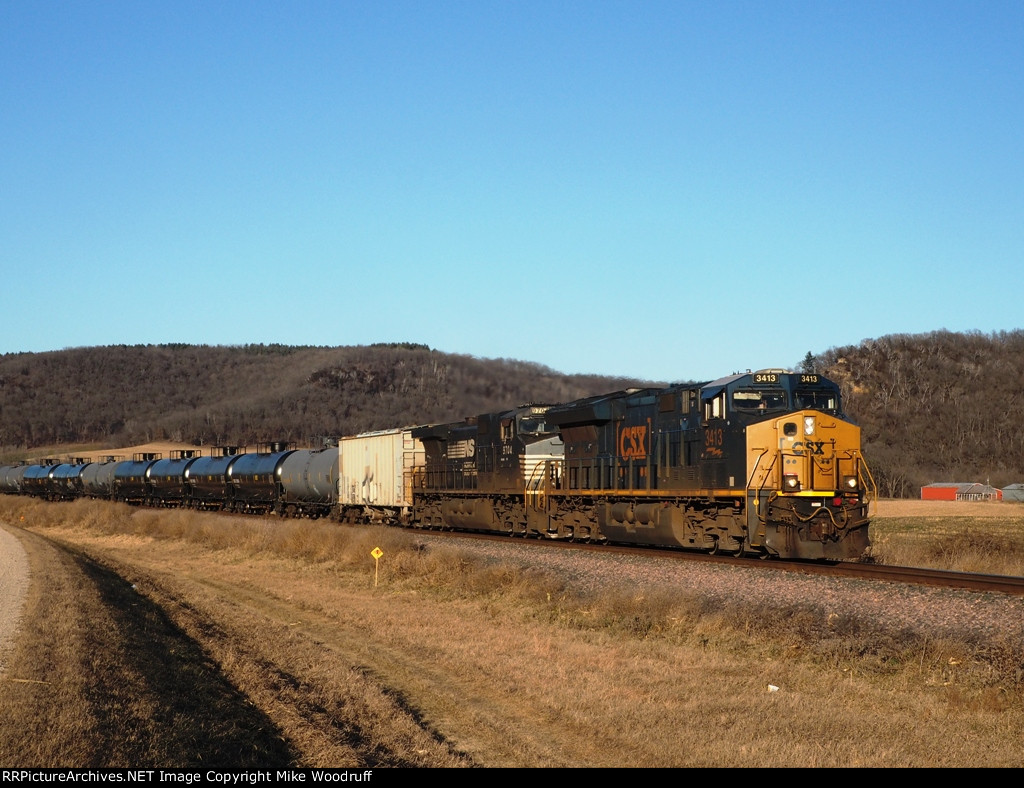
[(937, 407), (212, 395), (933, 407)]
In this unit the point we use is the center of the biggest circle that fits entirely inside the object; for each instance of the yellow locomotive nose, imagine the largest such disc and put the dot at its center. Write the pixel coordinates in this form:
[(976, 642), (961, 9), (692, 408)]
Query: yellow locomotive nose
[(807, 481), (802, 453)]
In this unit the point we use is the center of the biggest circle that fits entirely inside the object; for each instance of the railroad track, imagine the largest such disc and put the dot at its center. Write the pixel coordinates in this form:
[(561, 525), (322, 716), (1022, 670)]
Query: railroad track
[(966, 581)]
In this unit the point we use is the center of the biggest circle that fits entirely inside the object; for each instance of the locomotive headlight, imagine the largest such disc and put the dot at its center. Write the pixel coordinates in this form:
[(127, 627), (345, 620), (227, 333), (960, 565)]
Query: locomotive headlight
[(790, 482), (850, 482), (808, 425)]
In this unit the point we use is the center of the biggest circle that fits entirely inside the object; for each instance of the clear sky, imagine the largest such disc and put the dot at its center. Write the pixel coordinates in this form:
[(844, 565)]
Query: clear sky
[(663, 190)]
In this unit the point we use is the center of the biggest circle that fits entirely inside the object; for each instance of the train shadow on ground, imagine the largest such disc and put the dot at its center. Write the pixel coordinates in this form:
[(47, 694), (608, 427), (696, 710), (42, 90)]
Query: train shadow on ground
[(163, 700)]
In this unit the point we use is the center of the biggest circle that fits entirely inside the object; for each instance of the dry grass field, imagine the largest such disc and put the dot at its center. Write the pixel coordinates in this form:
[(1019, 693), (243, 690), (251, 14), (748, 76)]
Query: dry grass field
[(888, 508), (967, 536), (168, 638), (95, 451)]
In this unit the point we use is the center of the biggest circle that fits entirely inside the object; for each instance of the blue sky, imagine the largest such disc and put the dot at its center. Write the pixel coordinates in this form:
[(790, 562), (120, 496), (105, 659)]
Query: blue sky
[(664, 190)]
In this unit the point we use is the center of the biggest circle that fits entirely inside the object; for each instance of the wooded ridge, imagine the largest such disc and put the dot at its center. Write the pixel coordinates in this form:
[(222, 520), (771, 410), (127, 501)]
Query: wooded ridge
[(935, 407), (243, 395)]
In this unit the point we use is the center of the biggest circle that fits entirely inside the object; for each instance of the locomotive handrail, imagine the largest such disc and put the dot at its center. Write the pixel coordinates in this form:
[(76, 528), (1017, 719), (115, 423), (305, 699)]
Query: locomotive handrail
[(872, 489), (757, 492), (534, 482), (864, 476)]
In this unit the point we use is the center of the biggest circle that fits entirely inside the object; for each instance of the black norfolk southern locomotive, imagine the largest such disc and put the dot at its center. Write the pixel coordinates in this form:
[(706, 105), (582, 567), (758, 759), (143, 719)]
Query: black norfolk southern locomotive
[(760, 463), (488, 473)]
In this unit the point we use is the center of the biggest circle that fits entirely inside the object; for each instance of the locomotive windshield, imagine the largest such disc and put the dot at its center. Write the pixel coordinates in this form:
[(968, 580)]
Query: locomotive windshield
[(746, 400), (816, 400), (534, 426)]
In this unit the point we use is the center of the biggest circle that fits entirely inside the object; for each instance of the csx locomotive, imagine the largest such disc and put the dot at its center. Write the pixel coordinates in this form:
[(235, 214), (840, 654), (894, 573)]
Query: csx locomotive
[(762, 463)]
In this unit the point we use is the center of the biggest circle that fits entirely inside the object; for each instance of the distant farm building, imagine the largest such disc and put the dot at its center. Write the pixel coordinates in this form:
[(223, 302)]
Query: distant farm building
[(960, 491), (1013, 492)]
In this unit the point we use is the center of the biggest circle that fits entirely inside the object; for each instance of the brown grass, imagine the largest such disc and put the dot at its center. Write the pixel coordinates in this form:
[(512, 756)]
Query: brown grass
[(451, 662), (893, 507), (979, 536), (94, 451)]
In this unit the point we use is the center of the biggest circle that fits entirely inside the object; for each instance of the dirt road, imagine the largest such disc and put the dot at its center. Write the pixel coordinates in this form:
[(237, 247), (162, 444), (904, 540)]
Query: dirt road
[(13, 587), (167, 663)]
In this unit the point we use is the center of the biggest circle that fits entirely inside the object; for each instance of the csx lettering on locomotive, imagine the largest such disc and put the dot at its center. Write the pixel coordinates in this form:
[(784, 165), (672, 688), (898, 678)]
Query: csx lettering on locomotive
[(631, 443)]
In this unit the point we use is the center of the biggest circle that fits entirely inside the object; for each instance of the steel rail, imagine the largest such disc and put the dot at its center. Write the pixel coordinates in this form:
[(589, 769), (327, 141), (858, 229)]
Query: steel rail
[(868, 572)]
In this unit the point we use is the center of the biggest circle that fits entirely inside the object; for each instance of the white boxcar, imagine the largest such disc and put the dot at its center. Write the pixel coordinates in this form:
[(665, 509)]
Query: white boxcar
[(376, 475)]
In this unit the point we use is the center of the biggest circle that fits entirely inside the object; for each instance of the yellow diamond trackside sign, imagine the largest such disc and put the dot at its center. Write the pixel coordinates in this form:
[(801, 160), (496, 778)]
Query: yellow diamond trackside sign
[(376, 552)]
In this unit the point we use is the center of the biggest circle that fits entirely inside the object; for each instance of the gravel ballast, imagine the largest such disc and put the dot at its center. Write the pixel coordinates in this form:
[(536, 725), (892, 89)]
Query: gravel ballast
[(889, 607)]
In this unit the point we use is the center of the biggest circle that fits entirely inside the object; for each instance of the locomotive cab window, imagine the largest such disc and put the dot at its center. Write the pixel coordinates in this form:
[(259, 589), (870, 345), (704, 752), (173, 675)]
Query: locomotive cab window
[(533, 426), (759, 400), (816, 400), (714, 408)]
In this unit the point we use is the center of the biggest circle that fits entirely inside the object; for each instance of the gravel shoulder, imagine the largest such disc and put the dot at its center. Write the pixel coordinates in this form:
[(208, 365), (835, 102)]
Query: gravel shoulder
[(14, 580), (892, 608)]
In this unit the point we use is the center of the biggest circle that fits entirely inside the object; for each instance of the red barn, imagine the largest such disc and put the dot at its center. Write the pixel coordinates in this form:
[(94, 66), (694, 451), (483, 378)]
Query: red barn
[(960, 491)]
